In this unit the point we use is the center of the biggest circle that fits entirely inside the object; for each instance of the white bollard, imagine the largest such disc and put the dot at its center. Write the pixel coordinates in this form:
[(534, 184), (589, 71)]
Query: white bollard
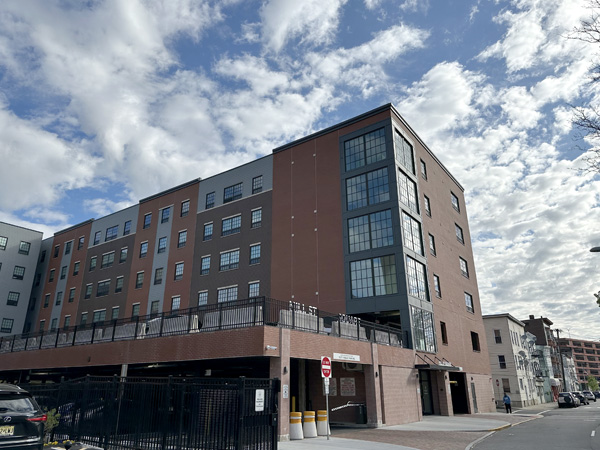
[(296, 426), (310, 427), (322, 426)]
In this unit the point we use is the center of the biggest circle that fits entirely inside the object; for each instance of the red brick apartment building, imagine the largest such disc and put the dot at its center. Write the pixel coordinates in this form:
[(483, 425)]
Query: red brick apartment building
[(586, 355), (352, 243)]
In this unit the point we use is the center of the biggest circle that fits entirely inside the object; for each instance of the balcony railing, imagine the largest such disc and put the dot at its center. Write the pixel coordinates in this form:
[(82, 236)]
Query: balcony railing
[(258, 311)]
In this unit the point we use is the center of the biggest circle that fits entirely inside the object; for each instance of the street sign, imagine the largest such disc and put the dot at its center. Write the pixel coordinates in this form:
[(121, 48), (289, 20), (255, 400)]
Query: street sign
[(325, 367)]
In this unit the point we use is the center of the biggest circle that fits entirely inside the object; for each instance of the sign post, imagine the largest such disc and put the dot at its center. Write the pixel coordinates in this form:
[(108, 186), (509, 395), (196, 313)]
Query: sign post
[(326, 374)]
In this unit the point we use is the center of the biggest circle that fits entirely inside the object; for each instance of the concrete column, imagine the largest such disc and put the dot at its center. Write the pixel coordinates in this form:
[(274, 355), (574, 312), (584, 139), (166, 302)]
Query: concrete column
[(124, 368), (373, 390), (444, 394), (279, 367)]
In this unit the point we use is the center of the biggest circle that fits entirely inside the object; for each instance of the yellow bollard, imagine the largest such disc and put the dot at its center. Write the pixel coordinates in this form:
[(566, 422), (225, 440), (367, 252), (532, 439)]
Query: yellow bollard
[(310, 427), (296, 426), (322, 426)]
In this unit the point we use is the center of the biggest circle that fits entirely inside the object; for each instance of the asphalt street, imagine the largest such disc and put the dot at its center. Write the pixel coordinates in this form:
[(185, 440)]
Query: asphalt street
[(559, 429)]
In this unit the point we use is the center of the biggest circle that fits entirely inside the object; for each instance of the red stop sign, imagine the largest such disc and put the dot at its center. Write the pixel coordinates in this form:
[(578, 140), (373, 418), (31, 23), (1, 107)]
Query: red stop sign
[(325, 367)]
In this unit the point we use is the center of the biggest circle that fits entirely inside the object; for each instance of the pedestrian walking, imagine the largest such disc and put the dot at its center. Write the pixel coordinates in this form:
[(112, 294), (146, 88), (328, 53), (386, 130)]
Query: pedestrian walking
[(506, 401)]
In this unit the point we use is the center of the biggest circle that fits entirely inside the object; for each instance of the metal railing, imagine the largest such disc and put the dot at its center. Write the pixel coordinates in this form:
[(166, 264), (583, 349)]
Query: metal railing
[(251, 312)]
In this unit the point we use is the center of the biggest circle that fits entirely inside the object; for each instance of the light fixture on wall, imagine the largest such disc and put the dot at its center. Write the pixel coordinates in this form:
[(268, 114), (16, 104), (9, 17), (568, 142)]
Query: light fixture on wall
[(284, 370), (270, 347)]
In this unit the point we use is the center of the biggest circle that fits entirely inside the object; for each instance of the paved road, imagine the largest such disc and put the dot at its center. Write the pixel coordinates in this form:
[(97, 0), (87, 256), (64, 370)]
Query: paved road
[(559, 429)]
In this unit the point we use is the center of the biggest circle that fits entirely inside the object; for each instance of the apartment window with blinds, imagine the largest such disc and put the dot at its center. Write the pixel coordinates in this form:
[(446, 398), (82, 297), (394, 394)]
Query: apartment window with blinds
[(158, 275), (111, 233), (232, 193), (256, 219), (162, 244), (227, 294), (178, 271), (107, 260), (182, 239), (119, 285), (255, 254), (231, 225), (175, 303), (229, 260), (139, 280), (103, 288), (165, 214), (210, 200), (18, 273), (257, 184), (185, 208), (205, 265), (202, 298)]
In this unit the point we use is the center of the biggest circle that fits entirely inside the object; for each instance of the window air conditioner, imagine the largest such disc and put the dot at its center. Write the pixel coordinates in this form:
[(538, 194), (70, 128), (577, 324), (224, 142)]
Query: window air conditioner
[(352, 367)]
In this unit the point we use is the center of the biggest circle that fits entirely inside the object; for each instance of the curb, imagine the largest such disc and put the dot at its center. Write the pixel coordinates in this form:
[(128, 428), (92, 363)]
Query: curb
[(477, 441), (503, 427)]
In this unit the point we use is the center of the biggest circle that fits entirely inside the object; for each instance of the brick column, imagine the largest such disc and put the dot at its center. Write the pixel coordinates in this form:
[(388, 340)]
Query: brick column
[(279, 367), (373, 391), (444, 394)]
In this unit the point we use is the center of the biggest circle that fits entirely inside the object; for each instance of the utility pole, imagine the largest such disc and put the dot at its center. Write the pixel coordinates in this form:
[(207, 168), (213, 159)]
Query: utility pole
[(562, 366)]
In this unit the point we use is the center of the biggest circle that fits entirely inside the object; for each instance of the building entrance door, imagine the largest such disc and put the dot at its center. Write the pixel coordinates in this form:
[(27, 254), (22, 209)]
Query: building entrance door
[(426, 399)]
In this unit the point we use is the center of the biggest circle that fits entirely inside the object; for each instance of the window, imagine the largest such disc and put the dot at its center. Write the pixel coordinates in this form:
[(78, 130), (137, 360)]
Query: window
[(404, 152), (227, 294), (427, 205), (135, 310), (367, 189), (436, 286), (373, 277), (165, 214), (231, 225), (230, 260), (158, 275), (42, 325), (475, 342), (84, 317), (463, 267), (143, 249), (182, 239), (415, 272), (67, 322), (255, 254), (256, 218), (185, 208), (501, 361), (459, 234), (88, 291), (202, 298), (208, 232), (123, 256), (127, 228), (42, 256), (59, 296), (103, 288), (37, 280), (370, 231), (93, 262), (68, 246), (107, 260), (407, 191), (365, 149), (205, 265), (423, 169), (13, 298), (119, 285), (53, 324), (51, 277), (432, 245), (147, 220), (97, 237), (178, 271), (423, 330), (232, 193), (18, 273), (154, 307), (7, 325), (63, 272), (175, 303), (210, 200), (24, 248), (506, 385), (253, 289), (469, 302), (444, 333), (76, 268), (139, 280), (71, 295), (81, 243), (56, 251), (412, 234), (162, 244), (257, 184), (497, 337), (111, 233), (454, 200), (3, 242), (115, 313), (99, 316)]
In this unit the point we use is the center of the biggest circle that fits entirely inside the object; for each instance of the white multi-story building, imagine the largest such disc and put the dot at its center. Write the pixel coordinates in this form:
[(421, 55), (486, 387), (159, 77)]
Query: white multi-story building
[(514, 361), (571, 383)]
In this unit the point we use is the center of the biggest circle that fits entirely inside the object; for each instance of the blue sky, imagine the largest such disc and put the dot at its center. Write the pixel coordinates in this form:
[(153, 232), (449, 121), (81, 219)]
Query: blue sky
[(105, 102)]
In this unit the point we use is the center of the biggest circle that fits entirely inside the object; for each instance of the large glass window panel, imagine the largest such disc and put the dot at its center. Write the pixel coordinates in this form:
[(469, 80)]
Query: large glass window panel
[(407, 191), (417, 286), (365, 149), (356, 192), (373, 277), (411, 229), (382, 232), (359, 234), (404, 152), (423, 330), (384, 275), (379, 186)]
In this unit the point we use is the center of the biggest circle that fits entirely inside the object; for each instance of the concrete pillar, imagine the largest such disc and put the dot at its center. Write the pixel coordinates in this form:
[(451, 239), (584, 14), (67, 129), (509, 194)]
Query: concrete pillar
[(279, 367), (124, 368), (373, 390), (444, 394), (301, 403)]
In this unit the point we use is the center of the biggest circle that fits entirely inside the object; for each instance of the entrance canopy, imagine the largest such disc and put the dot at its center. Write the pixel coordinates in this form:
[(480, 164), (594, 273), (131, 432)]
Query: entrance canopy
[(427, 363)]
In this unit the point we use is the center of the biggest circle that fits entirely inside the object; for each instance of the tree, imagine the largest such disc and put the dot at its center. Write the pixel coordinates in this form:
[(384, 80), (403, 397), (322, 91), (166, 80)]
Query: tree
[(586, 119), (592, 383)]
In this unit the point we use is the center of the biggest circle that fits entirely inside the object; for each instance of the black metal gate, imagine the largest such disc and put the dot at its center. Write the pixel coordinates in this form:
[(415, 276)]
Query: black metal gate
[(165, 413)]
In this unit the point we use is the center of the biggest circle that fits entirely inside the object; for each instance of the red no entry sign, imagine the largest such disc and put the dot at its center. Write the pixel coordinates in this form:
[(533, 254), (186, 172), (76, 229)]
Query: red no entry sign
[(325, 367)]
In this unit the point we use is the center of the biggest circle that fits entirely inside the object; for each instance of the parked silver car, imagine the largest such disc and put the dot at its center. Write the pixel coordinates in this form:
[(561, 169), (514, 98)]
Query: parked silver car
[(589, 395), (567, 400)]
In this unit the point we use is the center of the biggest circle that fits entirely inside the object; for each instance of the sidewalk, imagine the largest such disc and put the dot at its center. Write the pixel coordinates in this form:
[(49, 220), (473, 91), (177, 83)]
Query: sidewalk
[(432, 433)]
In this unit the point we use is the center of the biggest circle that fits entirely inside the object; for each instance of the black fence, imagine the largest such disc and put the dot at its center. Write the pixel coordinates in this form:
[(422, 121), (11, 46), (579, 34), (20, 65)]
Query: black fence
[(250, 312), (164, 413)]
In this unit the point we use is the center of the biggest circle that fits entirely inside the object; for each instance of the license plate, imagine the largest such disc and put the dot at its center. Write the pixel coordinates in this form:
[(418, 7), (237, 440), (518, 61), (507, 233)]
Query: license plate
[(7, 430)]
